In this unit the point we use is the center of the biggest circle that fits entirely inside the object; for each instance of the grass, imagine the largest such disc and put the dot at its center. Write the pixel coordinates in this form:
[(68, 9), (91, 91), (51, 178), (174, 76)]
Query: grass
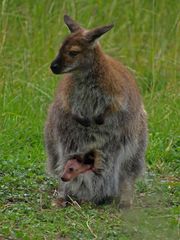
[(146, 38)]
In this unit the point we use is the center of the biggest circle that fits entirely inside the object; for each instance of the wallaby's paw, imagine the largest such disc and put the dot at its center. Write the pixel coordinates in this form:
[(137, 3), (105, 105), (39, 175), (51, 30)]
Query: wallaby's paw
[(83, 121), (99, 119)]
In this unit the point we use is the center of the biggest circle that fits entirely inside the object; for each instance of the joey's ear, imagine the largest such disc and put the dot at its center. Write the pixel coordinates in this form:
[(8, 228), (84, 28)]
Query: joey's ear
[(94, 34), (71, 24)]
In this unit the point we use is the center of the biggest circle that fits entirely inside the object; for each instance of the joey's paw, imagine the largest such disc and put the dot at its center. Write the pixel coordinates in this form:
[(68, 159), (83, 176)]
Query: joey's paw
[(97, 171), (94, 158), (98, 163), (98, 167), (59, 203)]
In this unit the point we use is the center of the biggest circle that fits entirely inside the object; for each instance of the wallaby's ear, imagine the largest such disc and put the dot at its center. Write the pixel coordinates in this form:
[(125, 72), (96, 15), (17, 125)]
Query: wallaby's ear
[(71, 24), (93, 34)]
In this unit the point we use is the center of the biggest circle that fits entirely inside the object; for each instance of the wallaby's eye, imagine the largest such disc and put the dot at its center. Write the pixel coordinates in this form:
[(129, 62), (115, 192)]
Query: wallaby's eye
[(73, 53), (71, 169)]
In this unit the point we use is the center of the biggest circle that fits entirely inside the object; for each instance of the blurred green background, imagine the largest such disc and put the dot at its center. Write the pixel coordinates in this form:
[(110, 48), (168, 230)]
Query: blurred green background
[(146, 38)]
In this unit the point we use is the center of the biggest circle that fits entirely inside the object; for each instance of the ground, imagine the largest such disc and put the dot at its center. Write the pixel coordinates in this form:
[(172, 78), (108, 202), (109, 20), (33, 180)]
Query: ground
[(146, 39)]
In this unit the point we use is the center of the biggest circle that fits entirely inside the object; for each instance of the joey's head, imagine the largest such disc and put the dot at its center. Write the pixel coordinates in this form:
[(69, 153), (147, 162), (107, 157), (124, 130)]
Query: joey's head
[(74, 168), (77, 50)]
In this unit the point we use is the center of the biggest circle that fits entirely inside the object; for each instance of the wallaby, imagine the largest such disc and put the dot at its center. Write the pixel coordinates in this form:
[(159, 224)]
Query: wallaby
[(97, 106)]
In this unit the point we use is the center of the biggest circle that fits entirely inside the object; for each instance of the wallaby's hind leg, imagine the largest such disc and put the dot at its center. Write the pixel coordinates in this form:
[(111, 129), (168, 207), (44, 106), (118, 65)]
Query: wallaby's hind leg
[(125, 198), (132, 170)]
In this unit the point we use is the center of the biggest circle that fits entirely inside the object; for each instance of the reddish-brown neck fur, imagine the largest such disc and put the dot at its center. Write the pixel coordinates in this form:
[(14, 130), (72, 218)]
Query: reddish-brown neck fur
[(110, 75)]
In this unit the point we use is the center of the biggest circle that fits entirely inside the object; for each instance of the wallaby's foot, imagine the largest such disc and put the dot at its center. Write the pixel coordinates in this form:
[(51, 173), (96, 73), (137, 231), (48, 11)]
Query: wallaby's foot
[(125, 204), (59, 202)]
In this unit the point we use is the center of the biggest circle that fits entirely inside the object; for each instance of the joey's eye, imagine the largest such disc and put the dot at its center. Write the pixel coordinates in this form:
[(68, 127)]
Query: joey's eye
[(71, 169), (73, 53)]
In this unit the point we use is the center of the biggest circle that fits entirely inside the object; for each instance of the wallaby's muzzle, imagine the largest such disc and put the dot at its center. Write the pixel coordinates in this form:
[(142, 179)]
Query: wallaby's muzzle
[(55, 67)]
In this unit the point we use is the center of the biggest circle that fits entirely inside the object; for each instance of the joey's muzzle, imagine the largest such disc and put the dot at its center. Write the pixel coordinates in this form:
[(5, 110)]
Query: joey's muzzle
[(65, 179)]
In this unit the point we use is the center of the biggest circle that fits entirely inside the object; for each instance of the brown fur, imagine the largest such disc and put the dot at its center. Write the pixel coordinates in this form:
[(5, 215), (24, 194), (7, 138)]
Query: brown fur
[(64, 91), (111, 83)]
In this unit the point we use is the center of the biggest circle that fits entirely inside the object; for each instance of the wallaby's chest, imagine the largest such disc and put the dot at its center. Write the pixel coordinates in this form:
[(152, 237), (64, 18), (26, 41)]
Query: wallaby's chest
[(87, 99)]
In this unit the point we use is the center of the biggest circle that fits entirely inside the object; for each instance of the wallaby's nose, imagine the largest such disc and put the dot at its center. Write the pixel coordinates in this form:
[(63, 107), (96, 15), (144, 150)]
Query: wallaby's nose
[(55, 68)]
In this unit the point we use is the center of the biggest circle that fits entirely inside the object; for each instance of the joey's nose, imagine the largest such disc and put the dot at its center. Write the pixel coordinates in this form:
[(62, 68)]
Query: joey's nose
[(55, 68), (64, 179)]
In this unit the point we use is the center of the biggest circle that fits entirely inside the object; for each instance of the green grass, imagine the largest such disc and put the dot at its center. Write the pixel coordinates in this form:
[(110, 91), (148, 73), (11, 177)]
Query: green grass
[(146, 39)]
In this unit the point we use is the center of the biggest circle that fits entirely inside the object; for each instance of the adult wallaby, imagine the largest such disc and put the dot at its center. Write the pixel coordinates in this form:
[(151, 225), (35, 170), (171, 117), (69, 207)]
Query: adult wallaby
[(97, 108)]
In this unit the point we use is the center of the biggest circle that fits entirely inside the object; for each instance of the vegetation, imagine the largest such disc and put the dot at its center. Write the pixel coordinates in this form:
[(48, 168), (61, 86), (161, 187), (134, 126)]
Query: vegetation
[(146, 39)]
